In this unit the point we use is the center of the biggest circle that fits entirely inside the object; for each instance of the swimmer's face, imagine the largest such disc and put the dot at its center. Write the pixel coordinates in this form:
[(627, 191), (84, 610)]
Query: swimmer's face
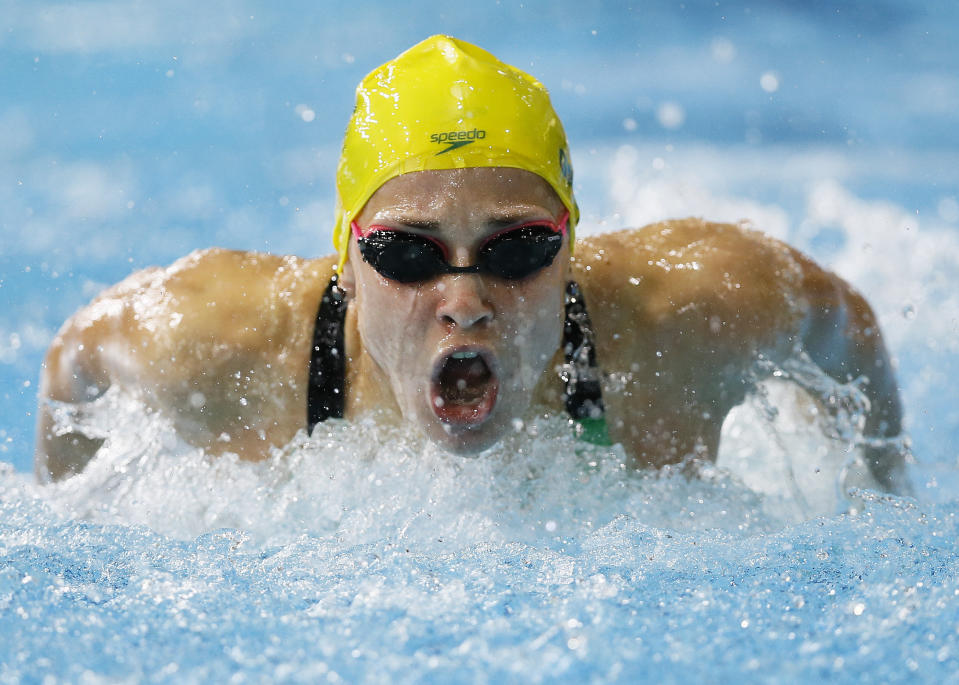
[(461, 353)]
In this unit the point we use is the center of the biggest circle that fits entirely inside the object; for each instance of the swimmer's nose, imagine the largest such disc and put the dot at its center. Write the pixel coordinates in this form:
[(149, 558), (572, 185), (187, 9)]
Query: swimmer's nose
[(464, 301)]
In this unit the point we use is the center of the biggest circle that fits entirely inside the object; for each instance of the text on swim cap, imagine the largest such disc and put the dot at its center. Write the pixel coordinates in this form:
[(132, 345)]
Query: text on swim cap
[(475, 134), (457, 139)]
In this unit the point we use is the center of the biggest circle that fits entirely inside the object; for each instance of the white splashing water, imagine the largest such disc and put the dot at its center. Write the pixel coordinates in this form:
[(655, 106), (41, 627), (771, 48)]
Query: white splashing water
[(363, 553), (361, 482)]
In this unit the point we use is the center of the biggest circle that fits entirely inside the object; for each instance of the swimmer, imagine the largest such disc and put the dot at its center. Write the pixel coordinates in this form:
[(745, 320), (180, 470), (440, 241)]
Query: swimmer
[(459, 300)]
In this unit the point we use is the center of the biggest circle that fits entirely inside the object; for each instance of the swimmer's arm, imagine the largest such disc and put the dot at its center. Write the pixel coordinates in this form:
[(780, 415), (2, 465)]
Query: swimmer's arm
[(71, 375), (830, 322), (76, 370), (841, 335), (782, 301), (218, 343), (681, 311), (686, 340)]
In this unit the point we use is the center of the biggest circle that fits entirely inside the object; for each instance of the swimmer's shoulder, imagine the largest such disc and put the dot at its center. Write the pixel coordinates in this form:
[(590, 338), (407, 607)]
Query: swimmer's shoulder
[(686, 251), (237, 295), (225, 285), (687, 283), (211, 303)]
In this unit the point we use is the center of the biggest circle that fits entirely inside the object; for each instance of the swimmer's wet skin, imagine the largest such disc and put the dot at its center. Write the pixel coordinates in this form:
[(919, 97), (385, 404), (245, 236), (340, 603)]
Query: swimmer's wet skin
[(471, 335)]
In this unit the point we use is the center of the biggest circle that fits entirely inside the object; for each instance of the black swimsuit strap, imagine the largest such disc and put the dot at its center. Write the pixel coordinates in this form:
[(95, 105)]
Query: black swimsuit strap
[(584, 393), (326, 394)]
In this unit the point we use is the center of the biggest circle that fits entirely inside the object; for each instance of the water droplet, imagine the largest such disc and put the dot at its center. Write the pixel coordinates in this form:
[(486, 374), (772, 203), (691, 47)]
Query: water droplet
[(671, 115), (306, 113), (723, 50), (769, 82)]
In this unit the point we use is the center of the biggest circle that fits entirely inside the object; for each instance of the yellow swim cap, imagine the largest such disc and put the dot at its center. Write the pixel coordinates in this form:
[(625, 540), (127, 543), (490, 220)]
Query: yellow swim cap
[(447, 104)]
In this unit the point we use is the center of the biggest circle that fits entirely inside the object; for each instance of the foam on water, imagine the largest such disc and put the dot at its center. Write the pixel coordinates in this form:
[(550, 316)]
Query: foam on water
[(363, 553), (795, 441), (362, 481)]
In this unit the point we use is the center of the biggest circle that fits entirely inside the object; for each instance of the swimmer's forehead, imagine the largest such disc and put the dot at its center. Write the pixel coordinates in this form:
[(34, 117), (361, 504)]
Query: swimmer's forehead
[(429, 199)]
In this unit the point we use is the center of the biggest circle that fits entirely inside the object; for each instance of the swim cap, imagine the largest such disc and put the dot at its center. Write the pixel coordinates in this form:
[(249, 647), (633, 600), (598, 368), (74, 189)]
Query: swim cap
[(447, 104)]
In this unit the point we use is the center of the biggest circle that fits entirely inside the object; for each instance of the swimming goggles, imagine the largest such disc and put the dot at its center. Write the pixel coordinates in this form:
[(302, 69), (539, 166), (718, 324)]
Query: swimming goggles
[(514, 253)]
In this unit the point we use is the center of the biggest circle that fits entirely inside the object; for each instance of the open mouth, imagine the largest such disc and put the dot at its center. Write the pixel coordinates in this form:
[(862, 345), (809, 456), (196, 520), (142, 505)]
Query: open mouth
[(464, 387)]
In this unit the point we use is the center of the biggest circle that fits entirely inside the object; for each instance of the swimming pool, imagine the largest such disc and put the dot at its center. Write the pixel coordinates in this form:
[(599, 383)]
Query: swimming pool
[(131, 135)]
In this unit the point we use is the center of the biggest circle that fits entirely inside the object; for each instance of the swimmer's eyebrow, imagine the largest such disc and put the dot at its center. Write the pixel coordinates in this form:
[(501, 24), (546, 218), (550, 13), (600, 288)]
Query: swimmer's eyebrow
[(421, 224), (508, 220), (519, 215), (498, 221)]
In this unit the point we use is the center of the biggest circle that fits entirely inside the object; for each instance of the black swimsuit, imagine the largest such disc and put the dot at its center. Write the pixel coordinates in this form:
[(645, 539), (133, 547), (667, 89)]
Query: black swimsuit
[(326, 396)]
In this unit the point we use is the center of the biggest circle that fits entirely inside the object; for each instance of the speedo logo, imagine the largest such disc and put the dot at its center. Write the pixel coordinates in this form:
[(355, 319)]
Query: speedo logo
[(456, 139)]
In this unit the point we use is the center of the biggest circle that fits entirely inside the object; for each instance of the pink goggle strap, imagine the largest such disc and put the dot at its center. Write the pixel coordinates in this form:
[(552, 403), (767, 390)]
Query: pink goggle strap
[(559, 227)]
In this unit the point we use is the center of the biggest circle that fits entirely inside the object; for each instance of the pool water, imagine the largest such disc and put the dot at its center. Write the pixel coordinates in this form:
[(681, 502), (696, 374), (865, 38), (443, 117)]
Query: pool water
[(131, 134), (364, 554)]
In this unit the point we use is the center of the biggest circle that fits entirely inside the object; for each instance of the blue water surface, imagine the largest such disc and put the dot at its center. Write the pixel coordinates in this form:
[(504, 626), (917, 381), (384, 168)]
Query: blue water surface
[(134, 132)]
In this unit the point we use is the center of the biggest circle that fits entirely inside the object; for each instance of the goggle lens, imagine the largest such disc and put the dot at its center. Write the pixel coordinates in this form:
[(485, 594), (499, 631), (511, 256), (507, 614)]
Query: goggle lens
[(519, 253), (410, 258), (400, 256)]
